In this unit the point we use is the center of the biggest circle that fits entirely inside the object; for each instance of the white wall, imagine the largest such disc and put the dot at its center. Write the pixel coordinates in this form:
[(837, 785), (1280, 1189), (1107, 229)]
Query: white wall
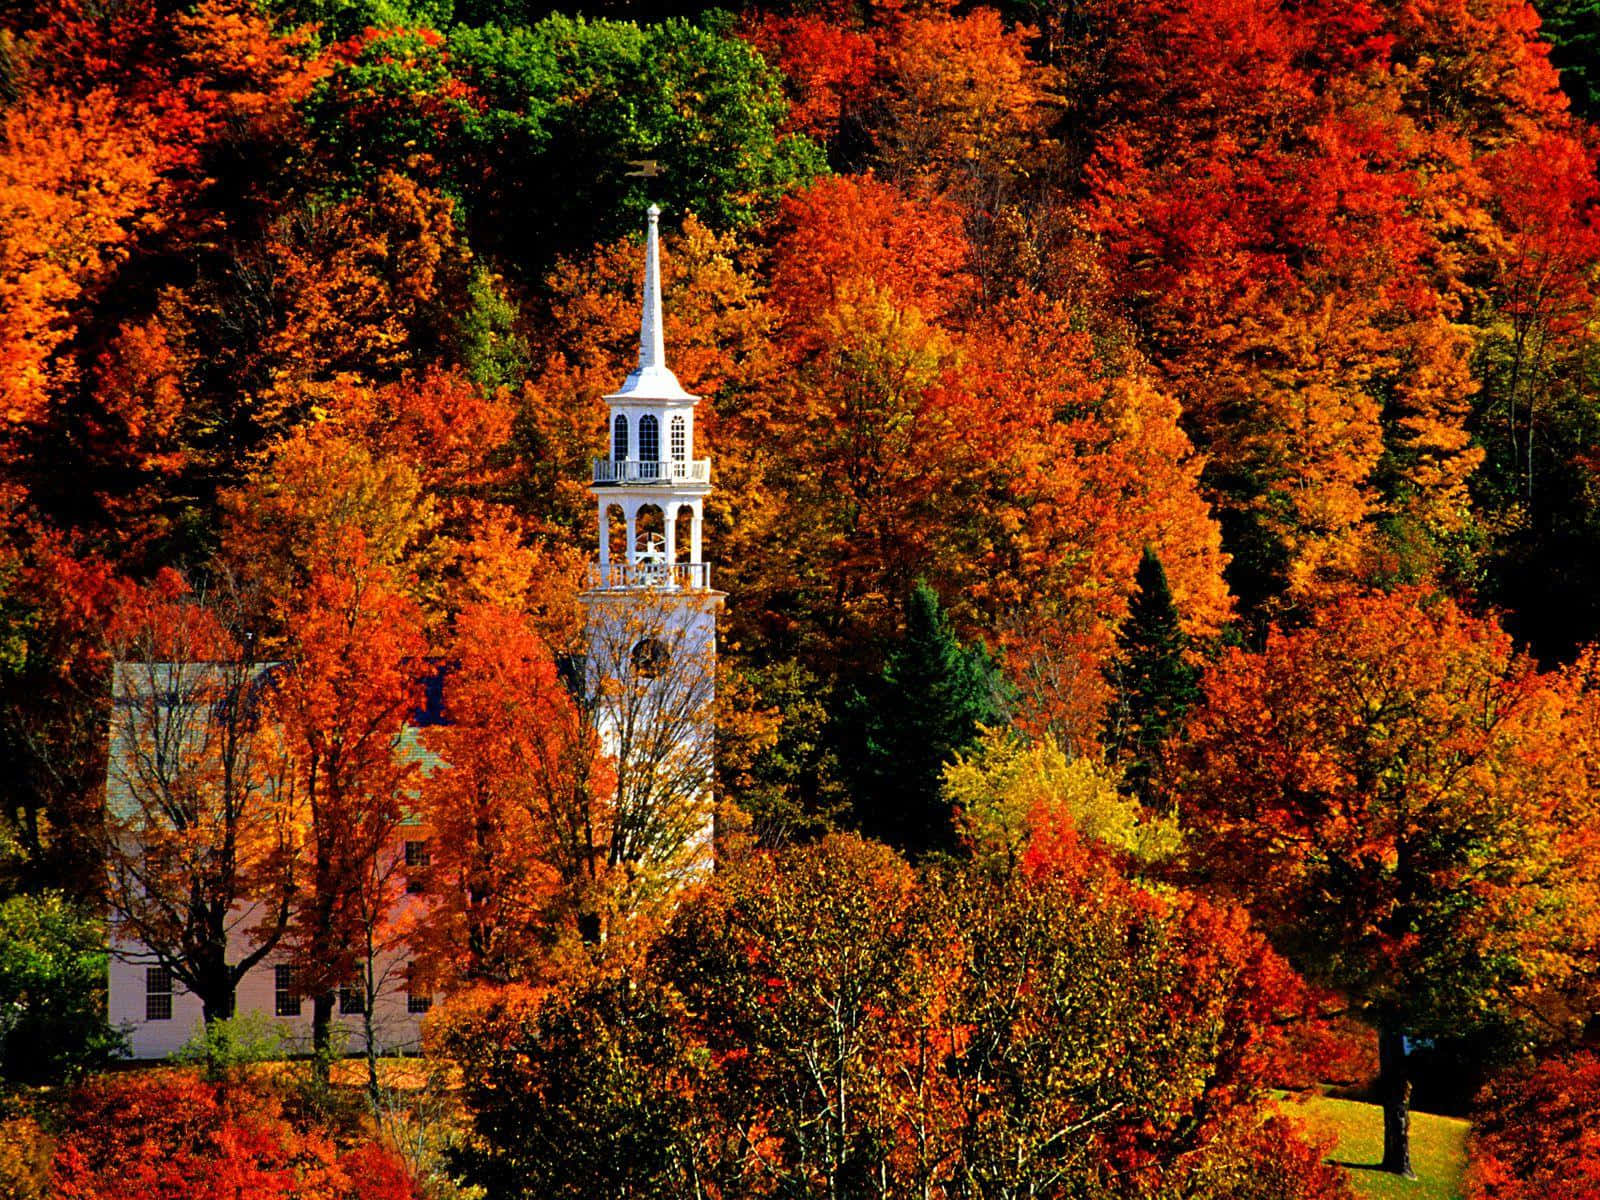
[(396, 1029)]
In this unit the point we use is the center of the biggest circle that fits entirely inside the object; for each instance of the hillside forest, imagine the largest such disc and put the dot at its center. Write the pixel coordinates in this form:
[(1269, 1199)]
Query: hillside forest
[(1156, 462)]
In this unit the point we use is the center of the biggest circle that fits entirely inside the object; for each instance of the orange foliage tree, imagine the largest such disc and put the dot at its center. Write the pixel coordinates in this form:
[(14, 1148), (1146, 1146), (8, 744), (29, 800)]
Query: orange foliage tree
[(1406, 804), (346, 692), (508, 811)]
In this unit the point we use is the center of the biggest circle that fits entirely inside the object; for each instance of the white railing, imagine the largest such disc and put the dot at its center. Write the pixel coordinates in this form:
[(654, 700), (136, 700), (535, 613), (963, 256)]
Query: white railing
[(633, 470), (690, 576)]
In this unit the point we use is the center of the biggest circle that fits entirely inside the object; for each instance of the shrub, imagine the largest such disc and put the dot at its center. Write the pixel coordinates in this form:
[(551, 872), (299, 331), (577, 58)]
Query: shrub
[(52, 990), (173, 1135)]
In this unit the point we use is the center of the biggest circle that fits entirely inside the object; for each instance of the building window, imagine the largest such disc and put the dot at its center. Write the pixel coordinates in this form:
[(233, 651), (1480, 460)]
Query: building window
[(352, 999), (157, 994), (649, 439), (286, 995), (680, 439), (619, 438), (416, 867), (418, 1002)]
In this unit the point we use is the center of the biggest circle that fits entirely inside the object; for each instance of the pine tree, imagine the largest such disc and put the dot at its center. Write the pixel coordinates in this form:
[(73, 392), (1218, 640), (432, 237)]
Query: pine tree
[(1573, 29), (1158, 682), (934, 694)]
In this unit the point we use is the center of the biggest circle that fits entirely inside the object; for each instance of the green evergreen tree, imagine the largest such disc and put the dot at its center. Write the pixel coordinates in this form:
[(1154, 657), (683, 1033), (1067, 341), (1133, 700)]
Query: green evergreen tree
[(934, 694), (1158, 683), (1573, 29)]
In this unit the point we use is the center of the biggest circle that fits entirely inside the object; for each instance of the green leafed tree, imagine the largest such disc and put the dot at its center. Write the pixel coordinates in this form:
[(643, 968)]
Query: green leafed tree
[(1573, 29), (52, 990), (583, 101)]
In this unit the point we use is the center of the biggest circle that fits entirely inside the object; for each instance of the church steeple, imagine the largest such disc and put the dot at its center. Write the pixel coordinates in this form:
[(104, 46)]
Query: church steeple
[(652, 379), (651, 474), (650, 609)]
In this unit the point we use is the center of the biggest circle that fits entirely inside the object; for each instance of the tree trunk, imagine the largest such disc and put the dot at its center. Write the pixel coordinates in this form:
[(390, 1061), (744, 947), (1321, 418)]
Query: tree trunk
[(322, 1036), (1394, 1092), (217, 1005), (217, 987)]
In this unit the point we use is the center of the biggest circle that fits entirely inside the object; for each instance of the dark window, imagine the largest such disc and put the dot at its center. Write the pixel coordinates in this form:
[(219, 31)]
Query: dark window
[(619, 438), (649, 439), (650, 657), (352, 999), (680, 439), (416, 867), (157, 994), (418, 1002), (286, 994)]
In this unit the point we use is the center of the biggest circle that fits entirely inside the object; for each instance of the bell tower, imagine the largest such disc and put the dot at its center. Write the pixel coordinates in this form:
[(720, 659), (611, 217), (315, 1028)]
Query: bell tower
[(650, 610), (651, 463)]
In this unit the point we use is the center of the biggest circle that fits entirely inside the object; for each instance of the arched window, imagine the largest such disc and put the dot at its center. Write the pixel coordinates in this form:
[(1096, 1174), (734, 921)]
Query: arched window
[(649, 439), (619, 438), (680, 438)]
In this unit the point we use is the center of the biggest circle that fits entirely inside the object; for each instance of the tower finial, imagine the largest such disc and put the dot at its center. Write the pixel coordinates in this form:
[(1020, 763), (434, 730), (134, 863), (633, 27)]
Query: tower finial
[(652, 340)]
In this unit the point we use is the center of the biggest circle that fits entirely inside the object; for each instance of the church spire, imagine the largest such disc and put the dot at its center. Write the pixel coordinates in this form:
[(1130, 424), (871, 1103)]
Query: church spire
[(652, 380), (652, 341)]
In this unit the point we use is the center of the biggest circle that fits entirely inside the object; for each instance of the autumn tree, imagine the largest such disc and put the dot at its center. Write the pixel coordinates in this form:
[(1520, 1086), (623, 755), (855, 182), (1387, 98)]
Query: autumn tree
[(57, 600), (346, 691), (822, 1018), (1399, 796), (506, 810), (201, 833), (649, 692), (1008, 787), (1536, 347)]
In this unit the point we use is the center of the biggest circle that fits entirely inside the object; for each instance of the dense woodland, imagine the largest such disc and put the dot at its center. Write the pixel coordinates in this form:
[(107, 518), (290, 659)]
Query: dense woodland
[(1157, 489)]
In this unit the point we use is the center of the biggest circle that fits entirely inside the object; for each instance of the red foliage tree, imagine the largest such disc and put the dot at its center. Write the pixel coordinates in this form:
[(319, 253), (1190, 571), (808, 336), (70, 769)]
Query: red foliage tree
[(349, 686), (168, 1134), (1533, 1132)]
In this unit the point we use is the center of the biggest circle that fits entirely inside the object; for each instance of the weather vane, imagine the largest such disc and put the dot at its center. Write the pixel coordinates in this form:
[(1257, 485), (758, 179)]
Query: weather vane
[(648, 168)]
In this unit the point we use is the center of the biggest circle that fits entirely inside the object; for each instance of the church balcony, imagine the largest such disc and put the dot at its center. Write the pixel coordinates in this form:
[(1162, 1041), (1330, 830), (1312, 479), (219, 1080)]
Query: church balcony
[(665, 471), (619, 575)]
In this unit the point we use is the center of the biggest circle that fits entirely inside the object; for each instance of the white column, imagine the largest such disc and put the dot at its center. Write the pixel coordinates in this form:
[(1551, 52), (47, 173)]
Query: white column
[(605, 534), (669, 517), (694, 533), (630, 514)]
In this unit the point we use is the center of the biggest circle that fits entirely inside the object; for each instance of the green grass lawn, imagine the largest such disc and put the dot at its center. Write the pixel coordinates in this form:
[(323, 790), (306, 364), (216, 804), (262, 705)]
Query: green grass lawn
[(1438, 1149)]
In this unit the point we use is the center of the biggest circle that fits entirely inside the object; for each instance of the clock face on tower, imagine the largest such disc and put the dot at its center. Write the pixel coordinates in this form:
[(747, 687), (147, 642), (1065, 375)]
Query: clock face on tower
[(650, 657)]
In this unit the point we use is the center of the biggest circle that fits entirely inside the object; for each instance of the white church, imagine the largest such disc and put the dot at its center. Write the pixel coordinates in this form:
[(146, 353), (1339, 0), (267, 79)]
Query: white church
[(651, 630)]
